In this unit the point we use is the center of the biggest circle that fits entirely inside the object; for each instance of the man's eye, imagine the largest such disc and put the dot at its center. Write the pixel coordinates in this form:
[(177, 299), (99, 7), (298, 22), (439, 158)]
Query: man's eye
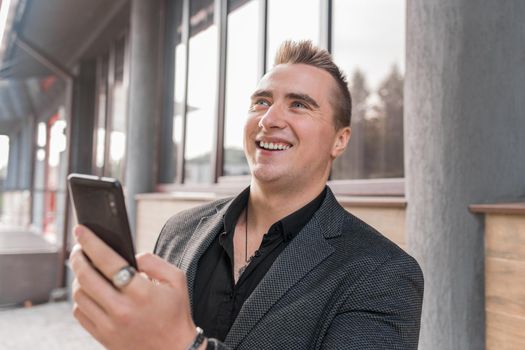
[(262, 103), (257, 104), (297, 104)]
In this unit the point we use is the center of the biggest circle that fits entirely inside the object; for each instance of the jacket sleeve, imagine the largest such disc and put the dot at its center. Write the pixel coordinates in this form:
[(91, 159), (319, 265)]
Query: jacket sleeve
[(382, 312)]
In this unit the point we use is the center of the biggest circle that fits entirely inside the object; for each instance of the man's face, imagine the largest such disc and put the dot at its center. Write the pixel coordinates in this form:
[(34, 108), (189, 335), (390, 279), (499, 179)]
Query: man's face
[(289, 137)]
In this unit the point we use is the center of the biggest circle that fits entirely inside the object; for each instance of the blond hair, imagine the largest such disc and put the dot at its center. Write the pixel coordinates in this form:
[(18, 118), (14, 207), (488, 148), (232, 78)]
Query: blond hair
[(304, 52)]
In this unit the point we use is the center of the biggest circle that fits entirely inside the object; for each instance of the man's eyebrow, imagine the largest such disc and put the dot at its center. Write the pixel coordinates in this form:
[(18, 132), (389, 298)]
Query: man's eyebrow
[(261, 93), (302, 97)]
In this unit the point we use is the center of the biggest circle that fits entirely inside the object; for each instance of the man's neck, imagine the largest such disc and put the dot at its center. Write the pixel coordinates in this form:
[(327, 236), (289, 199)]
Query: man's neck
[(266, 206)]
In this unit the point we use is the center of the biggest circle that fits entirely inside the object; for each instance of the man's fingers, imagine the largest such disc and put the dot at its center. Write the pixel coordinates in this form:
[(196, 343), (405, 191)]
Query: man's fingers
[(91, 281), (88, 306), (84, 320), (108, 262), (100, 254), (160, 270)]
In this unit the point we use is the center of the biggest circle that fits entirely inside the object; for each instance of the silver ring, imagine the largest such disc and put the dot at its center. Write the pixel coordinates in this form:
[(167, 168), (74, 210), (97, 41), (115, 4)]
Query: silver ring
[(123, 276)]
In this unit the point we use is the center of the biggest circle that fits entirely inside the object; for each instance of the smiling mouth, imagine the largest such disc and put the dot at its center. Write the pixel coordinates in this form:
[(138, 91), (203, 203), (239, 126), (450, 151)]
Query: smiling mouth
[(273, 146)]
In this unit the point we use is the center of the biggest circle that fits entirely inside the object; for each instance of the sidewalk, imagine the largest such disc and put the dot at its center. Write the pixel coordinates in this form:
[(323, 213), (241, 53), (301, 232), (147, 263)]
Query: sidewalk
[(44, 327)]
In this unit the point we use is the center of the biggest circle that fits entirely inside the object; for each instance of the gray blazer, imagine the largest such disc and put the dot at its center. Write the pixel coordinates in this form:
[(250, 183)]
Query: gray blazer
[(338, 285)]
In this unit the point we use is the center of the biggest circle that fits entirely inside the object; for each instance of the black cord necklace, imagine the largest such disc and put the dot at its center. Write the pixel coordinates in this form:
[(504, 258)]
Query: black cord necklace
[(246, 259), (246, 236)]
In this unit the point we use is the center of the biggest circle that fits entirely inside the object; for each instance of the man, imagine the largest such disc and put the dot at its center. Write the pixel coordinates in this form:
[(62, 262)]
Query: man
[(282, 265)]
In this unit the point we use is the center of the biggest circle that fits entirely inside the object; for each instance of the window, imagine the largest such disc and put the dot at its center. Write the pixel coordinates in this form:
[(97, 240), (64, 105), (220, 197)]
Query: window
[(237, 40), (172, 130), (241, 79), (118, 110), (368, 44), (55, 176), (202, 91), (4, 158), (291, 19), (111, 112), (101, 107)]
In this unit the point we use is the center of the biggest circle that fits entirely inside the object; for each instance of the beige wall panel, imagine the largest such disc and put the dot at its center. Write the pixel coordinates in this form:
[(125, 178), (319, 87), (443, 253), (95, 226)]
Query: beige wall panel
[(389, 221), (505, 236), (153, 213), (505, 286), (151, 217), (505, 332)]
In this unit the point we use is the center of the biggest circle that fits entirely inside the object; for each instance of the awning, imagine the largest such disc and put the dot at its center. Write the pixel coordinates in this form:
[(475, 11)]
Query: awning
[(50, 37)]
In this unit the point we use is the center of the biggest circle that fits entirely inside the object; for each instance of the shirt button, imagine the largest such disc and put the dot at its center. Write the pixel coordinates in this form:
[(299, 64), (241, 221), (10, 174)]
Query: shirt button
[(257, 253), (232, 295)]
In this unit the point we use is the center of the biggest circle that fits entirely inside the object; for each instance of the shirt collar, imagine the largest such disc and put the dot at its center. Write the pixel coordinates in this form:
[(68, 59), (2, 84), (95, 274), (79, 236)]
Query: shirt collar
[(288, 226), (293, 223)]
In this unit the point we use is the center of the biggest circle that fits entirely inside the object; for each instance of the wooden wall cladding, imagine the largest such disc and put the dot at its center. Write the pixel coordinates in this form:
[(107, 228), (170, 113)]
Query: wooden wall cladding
[(388, 217), (505, 281), (152, 214), (389, 221)]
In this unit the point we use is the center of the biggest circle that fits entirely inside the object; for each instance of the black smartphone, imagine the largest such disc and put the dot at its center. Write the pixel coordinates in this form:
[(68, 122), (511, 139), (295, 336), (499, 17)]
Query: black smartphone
[(99, 205)]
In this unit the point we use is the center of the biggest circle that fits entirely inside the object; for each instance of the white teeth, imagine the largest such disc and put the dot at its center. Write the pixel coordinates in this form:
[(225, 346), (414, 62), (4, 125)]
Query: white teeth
[(272, 146)]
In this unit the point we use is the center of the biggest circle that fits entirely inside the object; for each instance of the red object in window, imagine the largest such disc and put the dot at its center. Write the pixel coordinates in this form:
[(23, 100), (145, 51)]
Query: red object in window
[(47, 83), (52, 120)]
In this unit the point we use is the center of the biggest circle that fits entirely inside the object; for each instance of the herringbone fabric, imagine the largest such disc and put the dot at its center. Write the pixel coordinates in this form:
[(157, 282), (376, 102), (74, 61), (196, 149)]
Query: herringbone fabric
[(338, 285)]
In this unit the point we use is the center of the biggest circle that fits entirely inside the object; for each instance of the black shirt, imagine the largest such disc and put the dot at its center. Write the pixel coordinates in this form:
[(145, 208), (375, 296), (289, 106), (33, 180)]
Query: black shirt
[(217, 298)]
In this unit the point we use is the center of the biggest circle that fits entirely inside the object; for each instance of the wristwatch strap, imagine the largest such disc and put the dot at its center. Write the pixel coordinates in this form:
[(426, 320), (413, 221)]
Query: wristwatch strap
[(199, 339)]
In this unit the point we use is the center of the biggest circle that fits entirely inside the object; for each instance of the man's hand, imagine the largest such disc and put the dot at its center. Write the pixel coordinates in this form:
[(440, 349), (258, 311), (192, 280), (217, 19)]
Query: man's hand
[(143, 314)]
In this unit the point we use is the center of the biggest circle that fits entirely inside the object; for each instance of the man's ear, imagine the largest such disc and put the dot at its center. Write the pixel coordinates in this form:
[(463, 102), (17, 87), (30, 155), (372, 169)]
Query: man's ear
[(341, 140)]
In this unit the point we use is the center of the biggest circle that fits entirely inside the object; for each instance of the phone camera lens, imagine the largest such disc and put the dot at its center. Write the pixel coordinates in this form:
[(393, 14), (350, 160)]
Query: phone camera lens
[(111, 201)]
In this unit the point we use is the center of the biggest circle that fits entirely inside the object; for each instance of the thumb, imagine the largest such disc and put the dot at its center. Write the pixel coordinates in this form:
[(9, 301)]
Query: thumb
[(158, 269)]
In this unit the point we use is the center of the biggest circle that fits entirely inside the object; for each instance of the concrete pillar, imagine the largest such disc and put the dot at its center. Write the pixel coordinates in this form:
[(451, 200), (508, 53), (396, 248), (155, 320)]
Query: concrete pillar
[(144, 100), (12, 162), (464, 144), (83, 118)]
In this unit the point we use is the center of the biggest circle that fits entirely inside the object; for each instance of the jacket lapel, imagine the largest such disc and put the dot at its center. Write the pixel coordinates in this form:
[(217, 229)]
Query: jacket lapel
[(206, 231), (307, 250)]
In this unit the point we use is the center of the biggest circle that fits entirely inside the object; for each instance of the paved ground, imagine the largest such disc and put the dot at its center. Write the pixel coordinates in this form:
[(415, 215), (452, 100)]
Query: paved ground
[(44, 327)]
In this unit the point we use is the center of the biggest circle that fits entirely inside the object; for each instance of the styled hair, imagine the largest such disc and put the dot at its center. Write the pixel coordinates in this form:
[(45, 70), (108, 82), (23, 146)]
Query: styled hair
[(304, 52)]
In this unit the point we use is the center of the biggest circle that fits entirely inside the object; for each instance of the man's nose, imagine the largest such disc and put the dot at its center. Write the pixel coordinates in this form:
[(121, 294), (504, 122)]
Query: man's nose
[(273, 118)]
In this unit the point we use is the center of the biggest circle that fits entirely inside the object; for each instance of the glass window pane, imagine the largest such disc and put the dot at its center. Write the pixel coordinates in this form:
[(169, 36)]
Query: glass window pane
[(118, 120), (291, 19), (202, 88), (100, 123), (241, 79), (369, 45), (180, 80), (55, 180), (173, 87), (4, 158)]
